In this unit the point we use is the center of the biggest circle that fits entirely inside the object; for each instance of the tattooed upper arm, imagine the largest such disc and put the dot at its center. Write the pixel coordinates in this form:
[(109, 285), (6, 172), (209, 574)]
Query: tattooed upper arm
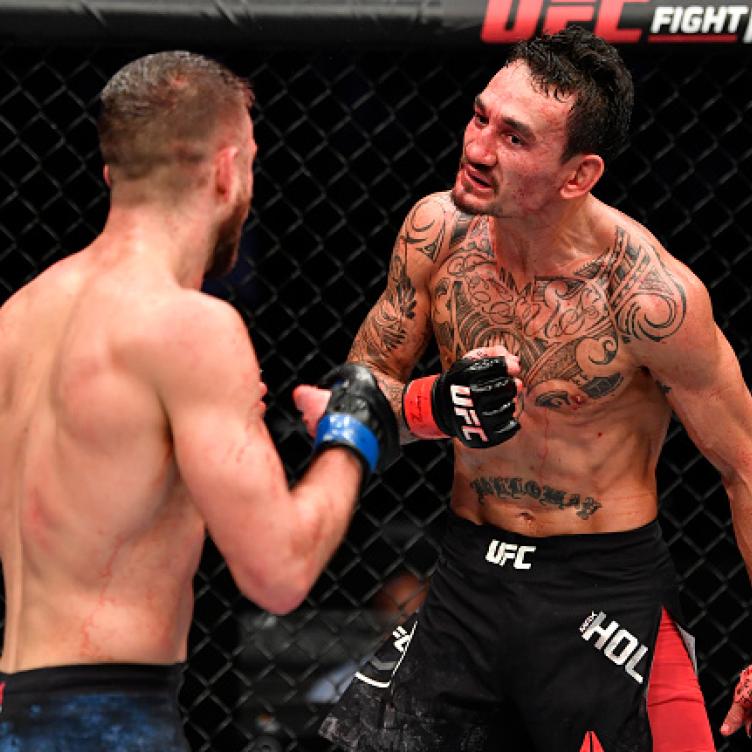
[(397, 329), (663, 313), (702, 382)]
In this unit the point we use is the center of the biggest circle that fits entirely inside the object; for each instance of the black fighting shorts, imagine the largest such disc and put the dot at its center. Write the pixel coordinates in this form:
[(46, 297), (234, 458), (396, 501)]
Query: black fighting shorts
[(97, 708), (523, 644)]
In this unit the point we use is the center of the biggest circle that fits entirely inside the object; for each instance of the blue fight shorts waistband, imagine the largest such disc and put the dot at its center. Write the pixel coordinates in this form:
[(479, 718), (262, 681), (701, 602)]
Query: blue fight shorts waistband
[(97, 677)]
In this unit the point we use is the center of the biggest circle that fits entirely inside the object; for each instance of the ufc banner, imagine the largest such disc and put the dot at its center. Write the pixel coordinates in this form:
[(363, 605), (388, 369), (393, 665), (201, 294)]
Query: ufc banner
[(234, 23), (620, 21)]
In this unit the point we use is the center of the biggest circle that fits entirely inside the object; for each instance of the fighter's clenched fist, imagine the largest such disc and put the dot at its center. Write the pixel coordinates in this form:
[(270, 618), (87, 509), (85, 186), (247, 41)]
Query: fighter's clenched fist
[(311, 402), (359, 418), (473, 401)]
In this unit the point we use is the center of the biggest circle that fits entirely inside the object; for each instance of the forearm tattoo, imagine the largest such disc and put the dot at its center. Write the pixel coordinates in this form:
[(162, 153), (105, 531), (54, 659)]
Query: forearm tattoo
[(514, 488), (563, 328)]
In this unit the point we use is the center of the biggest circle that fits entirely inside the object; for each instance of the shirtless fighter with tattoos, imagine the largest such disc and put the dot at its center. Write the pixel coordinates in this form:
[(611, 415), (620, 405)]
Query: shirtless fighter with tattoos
[(554, 605)]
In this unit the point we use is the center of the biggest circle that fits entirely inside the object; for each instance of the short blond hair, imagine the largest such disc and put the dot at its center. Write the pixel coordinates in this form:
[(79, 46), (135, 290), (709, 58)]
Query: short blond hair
[(163, 109)]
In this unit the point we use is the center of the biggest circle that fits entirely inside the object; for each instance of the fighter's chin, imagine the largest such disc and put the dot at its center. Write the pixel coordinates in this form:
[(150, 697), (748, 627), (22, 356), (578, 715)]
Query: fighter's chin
[(469, 203)]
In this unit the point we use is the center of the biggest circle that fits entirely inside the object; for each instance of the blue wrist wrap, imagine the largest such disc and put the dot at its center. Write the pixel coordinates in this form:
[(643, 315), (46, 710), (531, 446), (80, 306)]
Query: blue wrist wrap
[(342, 429)]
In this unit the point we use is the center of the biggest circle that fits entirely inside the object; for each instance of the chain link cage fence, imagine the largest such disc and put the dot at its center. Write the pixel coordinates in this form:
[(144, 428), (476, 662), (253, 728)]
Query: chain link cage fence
[(348, 140)]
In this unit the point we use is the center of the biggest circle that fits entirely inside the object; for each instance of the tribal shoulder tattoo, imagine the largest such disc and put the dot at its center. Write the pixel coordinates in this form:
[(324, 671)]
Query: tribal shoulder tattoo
[(566, 330)]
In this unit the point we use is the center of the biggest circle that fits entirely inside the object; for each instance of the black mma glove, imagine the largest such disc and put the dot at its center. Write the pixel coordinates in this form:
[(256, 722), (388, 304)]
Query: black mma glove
[(473, 401), (359, 417)]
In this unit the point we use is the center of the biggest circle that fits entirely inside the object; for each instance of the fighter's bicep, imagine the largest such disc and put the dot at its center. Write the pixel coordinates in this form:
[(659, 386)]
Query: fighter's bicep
[(714, 405), (685, 356), (696, 369), (226, 460), (392, 337), (211, 389), (398, 327)]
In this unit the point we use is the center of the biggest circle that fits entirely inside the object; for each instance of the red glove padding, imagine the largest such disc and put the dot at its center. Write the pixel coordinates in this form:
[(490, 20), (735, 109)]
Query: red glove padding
[(417, 408), (473, 401)]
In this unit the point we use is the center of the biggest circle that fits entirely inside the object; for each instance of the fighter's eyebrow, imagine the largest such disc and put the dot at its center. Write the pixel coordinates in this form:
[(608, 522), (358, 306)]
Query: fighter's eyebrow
[(524, 130)]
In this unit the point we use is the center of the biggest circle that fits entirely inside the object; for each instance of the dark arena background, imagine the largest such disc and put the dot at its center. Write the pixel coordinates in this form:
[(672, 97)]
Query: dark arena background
[(360, 111)]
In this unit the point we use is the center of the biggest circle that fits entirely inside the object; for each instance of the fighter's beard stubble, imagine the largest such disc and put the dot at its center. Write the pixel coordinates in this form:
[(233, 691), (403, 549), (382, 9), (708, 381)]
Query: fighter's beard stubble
[(491, 208), (226, 248)]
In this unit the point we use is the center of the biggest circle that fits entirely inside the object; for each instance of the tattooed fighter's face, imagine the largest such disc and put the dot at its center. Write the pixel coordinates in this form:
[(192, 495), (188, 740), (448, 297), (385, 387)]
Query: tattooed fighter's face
[(511, 157)]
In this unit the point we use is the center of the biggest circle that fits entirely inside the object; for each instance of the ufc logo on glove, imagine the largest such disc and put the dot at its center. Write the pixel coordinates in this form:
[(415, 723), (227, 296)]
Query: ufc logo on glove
[(473, 401), (463, 406)]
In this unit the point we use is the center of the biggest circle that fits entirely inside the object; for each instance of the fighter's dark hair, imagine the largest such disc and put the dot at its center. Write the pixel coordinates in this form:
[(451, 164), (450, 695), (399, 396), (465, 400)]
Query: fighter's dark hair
[(576, 62), (163, 109)]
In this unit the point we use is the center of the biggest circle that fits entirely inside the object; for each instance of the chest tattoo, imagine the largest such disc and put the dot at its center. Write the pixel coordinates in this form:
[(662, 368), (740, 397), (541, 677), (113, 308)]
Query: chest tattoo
[(566, 330)]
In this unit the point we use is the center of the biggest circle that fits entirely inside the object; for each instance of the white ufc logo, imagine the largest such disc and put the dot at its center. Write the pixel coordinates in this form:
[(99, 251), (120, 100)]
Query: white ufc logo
[(500, 553), (463, 406)]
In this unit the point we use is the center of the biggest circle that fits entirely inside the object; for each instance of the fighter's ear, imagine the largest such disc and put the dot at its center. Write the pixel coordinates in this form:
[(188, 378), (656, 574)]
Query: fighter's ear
[(585, 172), (225, 173)]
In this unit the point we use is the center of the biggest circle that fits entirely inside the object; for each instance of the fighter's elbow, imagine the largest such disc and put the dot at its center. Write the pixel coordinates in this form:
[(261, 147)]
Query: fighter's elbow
[(279, 592), (738, 485), (283, 602)]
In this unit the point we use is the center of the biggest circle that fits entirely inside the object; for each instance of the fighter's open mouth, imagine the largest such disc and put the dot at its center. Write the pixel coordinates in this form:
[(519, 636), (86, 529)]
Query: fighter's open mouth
[(477, 178)]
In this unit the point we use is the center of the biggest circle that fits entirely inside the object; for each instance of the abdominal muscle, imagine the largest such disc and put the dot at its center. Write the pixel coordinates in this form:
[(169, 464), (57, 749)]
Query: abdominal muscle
[(527, 516), (559, 477)]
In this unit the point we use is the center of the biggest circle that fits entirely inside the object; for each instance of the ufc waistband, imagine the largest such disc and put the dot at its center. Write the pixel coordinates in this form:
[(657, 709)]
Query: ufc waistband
[(484, 549)]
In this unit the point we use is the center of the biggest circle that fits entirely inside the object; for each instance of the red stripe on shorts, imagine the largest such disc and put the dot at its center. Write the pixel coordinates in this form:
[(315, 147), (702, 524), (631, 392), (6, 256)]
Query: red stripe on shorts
[(678, 719)]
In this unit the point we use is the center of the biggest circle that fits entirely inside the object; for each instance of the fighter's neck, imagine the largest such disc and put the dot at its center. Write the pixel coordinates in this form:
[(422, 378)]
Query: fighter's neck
[(548, 244), (168, 240)]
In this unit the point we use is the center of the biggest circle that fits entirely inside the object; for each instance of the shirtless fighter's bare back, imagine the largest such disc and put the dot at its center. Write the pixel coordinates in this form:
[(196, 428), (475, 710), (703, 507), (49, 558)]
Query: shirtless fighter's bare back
[(131, 421)]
